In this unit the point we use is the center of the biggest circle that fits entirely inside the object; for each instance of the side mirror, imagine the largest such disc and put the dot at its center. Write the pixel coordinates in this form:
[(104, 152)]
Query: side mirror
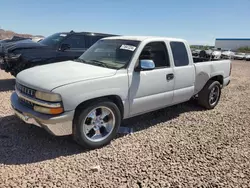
[(64, 47), (145, 64)]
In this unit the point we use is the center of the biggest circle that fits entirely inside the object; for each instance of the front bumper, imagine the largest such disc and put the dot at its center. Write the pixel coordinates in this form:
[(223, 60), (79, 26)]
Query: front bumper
[(60, 125), (3, 66), (239, 58), (225, 57), (8, 64), (216, 57)]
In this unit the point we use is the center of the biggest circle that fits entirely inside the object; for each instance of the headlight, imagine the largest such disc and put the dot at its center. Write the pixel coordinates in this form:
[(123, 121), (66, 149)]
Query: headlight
[(45, 110), (52, 97), (13, 56)]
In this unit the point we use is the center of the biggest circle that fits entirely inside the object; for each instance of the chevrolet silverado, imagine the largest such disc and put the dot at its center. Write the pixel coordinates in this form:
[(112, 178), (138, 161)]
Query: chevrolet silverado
[(116, 78)]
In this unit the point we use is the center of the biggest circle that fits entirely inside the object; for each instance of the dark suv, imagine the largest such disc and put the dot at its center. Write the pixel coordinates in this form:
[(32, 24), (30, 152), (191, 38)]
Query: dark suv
[(20, 55)]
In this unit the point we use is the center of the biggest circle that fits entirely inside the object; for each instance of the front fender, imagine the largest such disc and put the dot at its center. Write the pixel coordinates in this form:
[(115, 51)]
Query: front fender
[(76, 93)]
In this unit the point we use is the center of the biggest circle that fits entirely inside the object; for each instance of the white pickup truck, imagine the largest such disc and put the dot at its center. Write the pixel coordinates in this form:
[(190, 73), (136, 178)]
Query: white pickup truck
[(116, 78)]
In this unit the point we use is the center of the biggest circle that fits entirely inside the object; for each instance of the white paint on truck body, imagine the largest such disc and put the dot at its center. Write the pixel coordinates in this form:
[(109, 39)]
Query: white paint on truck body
[(140, 92)]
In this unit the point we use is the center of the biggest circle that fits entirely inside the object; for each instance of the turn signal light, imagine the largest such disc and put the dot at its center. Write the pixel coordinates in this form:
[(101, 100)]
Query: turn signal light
[(45, 110)]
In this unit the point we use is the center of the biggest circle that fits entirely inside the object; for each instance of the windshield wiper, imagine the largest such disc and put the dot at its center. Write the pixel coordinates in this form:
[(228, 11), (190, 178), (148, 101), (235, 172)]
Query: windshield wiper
[(92, 61), (80, 60), (99, 63)]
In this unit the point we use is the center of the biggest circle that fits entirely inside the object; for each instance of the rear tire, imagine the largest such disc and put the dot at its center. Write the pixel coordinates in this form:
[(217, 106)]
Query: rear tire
[(209, 96), (96, 124)]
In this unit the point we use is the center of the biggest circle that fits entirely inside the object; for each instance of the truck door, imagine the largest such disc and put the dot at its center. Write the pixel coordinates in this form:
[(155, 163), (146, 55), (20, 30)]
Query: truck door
[(77, 47), (184, 72), (152, 89)]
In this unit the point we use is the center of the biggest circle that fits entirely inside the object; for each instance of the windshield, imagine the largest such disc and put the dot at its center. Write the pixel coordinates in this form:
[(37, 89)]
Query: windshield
[(53, 40), (110, 53)]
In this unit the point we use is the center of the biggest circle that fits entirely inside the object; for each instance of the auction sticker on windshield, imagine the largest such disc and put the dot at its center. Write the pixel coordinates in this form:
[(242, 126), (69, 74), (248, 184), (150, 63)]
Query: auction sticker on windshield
[(128, 47)]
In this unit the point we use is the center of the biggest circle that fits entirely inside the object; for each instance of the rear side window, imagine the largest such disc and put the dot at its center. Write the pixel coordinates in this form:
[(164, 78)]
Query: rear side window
[(179, 53)]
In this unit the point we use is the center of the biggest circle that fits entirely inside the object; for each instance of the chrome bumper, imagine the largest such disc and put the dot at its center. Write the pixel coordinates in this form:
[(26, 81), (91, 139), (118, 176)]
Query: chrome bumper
[(57, 125)]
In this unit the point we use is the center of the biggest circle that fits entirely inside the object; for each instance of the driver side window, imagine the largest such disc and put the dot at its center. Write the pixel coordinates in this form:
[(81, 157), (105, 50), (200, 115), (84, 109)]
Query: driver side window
[(157, 52), (75, 41)]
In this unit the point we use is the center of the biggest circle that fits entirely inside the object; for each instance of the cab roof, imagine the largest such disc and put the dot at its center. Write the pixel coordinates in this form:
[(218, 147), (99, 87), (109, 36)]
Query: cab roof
[(142, 38), (88, 33)]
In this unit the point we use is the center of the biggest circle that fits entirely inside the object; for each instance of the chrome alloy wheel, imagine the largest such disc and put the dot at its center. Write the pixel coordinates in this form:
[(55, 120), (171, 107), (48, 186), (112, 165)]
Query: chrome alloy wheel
[(99, 124), (214, 95)]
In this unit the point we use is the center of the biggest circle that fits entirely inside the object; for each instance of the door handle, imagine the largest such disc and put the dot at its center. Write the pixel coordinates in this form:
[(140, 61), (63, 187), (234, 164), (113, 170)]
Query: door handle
[(170, 76)]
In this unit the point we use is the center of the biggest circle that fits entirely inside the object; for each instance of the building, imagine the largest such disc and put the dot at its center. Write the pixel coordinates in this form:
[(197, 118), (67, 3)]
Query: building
[(232, 43)]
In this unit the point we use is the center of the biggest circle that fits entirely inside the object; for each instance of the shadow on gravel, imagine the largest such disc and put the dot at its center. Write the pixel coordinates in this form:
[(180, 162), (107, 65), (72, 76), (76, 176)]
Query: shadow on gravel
[(7, 85), (21, 143), (160, 116)]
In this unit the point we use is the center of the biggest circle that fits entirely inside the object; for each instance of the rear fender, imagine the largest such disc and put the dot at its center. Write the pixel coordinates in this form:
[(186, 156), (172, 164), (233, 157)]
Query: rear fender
[(203, 77)]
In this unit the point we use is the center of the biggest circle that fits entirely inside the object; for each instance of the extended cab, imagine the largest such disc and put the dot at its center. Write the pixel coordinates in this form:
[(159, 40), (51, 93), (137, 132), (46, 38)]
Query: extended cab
[(116, 78), (62, 46)]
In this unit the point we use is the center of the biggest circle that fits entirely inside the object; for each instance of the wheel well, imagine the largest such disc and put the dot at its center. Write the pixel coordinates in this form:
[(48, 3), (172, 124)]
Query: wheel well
[(218, 78), (114, 98)]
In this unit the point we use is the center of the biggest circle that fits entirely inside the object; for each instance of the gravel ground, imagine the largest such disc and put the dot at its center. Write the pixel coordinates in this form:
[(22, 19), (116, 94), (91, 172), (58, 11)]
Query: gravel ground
[(181, 146)]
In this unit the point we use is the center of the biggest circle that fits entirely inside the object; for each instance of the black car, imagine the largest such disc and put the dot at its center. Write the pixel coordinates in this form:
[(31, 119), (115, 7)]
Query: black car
[(19, 55)]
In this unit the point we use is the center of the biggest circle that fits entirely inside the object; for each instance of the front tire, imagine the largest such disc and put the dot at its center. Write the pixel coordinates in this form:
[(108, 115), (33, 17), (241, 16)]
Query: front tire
[(209, 96), (13, 73), (96, 124)]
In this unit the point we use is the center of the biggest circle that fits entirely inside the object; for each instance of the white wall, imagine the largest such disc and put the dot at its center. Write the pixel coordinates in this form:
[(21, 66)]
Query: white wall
[(231, 44)]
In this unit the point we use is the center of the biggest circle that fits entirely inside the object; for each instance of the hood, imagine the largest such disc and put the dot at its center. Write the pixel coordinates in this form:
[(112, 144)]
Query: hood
[(209, 51), (227, 53), (2, 41), (24, 44), (216, 53), (48, 77)]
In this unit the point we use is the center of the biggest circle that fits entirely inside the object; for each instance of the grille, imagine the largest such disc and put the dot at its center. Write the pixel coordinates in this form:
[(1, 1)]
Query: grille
[(25, 90), (26, 103)]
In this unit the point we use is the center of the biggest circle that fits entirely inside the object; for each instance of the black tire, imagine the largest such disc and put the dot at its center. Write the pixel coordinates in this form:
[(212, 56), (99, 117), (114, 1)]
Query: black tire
[(204, 94), (78, 134), (13, 73)]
